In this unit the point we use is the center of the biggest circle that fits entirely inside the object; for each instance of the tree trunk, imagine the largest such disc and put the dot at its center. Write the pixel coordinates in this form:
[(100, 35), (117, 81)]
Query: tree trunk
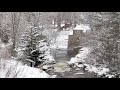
[(59, 25), (75, 22), (54, 21), (31, 64), (15, 24), (59, 20)]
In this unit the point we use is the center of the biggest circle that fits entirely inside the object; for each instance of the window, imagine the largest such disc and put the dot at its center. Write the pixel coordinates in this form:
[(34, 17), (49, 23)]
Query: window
[(77, 39), (76, 32)]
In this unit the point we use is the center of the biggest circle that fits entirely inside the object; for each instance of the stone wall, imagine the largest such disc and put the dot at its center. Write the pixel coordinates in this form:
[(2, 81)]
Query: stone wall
[(74, 42)]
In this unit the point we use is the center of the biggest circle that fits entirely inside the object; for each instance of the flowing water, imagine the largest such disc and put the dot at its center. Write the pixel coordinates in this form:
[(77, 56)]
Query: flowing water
[(59, 52), (61, 58)]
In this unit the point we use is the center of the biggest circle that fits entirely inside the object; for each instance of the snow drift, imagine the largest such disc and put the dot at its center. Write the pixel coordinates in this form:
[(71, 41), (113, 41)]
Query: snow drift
[(15, 69)]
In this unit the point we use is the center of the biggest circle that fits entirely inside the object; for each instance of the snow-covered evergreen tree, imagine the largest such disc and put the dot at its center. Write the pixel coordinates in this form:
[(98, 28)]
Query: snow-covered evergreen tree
[(28, 43), (34, 48)]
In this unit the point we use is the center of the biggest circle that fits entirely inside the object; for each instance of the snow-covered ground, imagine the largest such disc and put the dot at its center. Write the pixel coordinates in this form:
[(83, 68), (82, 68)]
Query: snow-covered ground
[(11, 68), (15, 69), (61, 40)]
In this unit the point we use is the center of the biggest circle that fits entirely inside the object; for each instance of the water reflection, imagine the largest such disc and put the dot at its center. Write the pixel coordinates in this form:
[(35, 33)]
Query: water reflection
[(64, 54)]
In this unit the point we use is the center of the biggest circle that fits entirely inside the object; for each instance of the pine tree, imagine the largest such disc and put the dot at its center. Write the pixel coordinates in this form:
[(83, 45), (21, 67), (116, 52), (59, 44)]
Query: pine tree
[(29, 40), (35, 49), (45, 55)]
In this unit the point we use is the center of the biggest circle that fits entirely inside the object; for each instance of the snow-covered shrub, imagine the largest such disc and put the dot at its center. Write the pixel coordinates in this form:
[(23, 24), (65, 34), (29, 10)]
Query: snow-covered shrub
[(28, 42), (100, 71), (80, 57), (80, 61)]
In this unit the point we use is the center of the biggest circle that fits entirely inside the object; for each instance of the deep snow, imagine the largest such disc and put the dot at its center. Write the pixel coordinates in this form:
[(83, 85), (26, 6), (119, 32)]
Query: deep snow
[(15, 69)]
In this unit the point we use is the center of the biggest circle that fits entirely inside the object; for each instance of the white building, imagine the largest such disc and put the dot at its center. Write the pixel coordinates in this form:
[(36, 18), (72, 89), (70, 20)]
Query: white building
[(80, 28), (74, 38)]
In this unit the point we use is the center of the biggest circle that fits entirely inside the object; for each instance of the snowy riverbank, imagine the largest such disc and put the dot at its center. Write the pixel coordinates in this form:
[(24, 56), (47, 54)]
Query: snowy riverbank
[(14, 69), (79, 61)]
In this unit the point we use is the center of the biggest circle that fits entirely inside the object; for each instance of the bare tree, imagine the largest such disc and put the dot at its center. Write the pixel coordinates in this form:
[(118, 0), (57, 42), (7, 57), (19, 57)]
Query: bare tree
[(15, 24)]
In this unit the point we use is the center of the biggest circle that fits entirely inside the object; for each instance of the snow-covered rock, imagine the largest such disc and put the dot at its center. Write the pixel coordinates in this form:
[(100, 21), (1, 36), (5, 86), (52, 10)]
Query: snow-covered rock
[(80, 73), (80, 65), (49, 59), (103, 71), (53, 76), (81, 56), (98, 70), (47, 67), (110, 76), (94, 69), (72, 61)]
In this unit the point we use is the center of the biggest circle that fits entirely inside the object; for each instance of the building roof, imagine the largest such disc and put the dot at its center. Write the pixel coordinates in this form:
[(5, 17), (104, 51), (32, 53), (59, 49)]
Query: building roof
[(83, 27)]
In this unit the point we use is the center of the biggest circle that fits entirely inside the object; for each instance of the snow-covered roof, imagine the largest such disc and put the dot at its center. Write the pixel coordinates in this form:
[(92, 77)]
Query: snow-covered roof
[(62, 25), (83, 27), (71, 33)]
